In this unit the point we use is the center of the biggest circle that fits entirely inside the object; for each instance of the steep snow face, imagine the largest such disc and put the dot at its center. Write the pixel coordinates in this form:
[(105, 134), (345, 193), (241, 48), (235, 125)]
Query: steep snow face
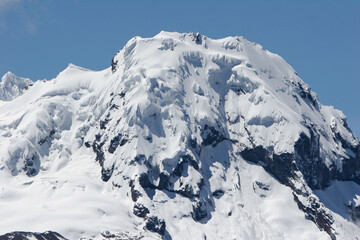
[(165, 141), (12, 86), (212, 90)]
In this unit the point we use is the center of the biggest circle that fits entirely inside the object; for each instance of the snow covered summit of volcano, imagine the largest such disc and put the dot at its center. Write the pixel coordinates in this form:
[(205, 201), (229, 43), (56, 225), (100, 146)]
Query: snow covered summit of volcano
[(183, 137)]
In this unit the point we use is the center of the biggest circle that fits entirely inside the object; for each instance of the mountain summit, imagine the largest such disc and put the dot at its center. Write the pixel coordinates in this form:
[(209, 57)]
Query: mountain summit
[(11, 86), (182, 137)]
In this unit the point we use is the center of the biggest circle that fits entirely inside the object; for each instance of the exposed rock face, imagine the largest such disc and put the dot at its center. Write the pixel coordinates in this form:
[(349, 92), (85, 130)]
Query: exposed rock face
[(140, 210), (316, 213), (156, 225), (305, 159)]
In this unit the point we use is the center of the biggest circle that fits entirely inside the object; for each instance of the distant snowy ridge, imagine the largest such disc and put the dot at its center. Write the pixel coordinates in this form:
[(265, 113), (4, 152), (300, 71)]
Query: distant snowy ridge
[(11, 86), (182, 137)]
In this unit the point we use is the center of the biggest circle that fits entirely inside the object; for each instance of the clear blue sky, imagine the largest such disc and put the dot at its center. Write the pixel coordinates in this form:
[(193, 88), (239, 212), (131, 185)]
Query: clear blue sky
[(320, 39)]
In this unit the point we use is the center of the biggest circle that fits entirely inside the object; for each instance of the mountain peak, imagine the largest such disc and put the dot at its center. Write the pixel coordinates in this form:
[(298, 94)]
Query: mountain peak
[(11, 86), (8, 75), (167, 34), (183, 133)]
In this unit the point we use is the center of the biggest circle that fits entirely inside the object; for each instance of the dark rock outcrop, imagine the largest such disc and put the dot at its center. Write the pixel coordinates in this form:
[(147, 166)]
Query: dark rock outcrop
[(113, 65), (140, 210), (135, 194), (154, 224), (218, 193), (118, 140), (316, 213), (199, 211), (211, 136), (32, 165), (29, 235), (120, 236), (306, 159), (106, 173)]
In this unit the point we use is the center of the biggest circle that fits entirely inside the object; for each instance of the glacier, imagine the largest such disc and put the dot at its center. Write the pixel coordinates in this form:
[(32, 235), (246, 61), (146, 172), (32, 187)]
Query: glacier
[(182, 137)]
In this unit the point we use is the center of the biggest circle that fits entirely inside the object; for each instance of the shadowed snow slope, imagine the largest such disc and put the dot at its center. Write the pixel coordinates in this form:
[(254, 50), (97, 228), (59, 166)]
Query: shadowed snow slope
[(183, 137)]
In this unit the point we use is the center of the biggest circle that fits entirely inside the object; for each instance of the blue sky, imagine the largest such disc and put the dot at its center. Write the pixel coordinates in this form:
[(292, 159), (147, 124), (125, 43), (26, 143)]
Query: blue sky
[(320, 39)]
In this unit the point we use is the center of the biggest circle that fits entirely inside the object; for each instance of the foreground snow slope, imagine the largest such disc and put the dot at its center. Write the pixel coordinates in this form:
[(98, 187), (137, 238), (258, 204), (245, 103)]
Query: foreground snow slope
[(183, 137)]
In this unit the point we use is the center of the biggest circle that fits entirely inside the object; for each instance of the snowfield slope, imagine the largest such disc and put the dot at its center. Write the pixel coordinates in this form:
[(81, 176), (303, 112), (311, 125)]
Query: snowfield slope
[(183, 137)]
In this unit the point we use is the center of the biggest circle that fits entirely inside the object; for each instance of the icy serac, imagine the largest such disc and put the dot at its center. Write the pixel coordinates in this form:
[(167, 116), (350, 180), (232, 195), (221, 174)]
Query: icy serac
[(183, 137)]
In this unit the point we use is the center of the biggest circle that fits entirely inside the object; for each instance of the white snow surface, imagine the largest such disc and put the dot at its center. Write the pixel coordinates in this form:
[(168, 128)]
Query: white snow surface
[(164, 91)]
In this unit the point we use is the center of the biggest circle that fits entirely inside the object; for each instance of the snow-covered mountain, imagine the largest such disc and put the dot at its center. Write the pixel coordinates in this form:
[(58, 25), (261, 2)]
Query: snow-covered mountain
[(12, 86), (183, 137)]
